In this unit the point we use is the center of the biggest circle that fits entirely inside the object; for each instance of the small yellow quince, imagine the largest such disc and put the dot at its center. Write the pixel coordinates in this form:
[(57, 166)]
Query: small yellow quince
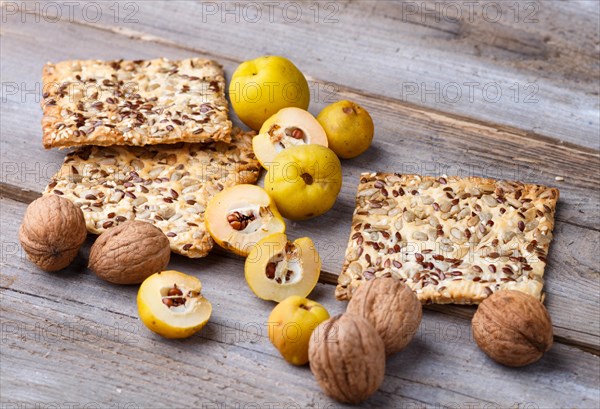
[(291, 324), (349, 128), (304, 181), (261, 87)]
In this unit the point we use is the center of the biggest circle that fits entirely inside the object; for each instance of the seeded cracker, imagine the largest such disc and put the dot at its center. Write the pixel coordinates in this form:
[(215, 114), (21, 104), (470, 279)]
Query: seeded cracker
[(138, 103), (167, 185), (452, 240)]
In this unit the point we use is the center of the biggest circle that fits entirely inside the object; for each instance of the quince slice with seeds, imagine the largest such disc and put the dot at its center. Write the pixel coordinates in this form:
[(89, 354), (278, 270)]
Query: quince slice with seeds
[(170, 303), (239, 217), (288, 127), (277, 268)]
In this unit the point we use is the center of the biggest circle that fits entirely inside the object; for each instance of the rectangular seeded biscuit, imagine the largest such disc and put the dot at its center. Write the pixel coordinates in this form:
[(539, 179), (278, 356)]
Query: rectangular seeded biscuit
[(167, 185), (452, 240), (138, 103)]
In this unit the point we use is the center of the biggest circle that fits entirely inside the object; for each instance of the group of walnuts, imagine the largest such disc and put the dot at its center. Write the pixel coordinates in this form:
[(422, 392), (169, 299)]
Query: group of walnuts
[(53, 230), (347, 353)]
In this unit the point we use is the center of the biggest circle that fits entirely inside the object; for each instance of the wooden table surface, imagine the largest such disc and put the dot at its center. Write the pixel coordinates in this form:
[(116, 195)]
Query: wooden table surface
[(504, 90)]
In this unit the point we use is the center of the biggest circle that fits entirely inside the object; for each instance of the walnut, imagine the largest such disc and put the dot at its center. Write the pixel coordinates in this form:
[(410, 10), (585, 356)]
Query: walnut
[(391, 307), (52, 232), (130, 252), (347, 357), (512, 328)]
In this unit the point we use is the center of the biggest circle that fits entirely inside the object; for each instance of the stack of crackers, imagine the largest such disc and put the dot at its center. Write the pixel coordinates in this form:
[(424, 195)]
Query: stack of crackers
[(152, 141)]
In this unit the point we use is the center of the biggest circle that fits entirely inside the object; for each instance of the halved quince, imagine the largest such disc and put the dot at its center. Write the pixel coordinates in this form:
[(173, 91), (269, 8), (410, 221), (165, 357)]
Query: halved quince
[(288, 127), (277, 268), (239, 217), (170, 304)]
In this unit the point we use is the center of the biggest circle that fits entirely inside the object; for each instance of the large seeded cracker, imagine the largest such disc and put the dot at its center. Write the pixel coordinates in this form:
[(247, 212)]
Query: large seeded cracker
[(452, 240), (167, 185), (138, 103)]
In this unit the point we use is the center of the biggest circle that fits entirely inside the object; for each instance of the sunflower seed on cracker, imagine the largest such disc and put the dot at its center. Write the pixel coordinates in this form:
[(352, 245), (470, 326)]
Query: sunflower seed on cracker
[(144, 102), (167, 185), (452, 240)]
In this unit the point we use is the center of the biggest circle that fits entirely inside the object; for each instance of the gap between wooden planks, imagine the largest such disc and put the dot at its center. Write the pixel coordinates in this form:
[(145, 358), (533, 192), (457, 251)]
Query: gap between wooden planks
[(441, 365), (548, 53), (436, 137), (571, 285), (464, 312), (147, 37), (462, 135)]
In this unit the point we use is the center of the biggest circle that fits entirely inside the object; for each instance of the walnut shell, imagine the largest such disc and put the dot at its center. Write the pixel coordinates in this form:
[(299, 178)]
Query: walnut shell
[(391, 307), (512, 328), (130, 252), (52, 232), (347, 357)]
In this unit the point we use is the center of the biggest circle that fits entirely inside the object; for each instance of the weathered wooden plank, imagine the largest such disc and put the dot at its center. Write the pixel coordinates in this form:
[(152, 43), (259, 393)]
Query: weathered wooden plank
[(572, 284), (72, 349), (227, 368), (444, 145), (77, 338), (408, 139), (409, 51)]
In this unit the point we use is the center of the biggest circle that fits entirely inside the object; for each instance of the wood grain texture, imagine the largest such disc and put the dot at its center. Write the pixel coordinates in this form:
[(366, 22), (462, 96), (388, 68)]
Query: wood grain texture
[(410, 49), (408, 140), (442, 144), (571, 287), (71, 334), (103, 354)]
